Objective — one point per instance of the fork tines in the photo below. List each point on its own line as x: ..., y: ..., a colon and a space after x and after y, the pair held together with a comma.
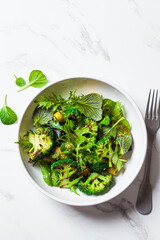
x: 153, y: 105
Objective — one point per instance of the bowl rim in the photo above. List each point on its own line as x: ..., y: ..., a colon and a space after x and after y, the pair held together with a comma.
x: 95, y: 201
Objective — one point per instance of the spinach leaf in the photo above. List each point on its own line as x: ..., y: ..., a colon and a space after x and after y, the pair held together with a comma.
x: 20, y: 82
x: 42, y: 116
x: 46, y: 173
x: 7, y: 115
x: 90, y: 105
x: 36, y: 79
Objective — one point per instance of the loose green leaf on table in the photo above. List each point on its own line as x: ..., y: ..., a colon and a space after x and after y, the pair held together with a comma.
x: 90, y: 105
x: 36, y: 79
x: 20, y: 82
x: 7, y: 115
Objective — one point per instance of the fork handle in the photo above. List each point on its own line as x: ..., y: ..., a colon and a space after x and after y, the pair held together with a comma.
x: 144, y: 199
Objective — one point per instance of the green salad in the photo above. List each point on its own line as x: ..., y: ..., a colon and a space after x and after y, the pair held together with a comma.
x: 79, y: 142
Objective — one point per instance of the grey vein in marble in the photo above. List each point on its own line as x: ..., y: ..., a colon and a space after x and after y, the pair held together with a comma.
x: 136, y: 7
x: 124, y: 208
x: 6, y: 195
x: 87, y: 42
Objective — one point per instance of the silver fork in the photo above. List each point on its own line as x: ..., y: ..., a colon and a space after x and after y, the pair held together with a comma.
x: 152, y: 120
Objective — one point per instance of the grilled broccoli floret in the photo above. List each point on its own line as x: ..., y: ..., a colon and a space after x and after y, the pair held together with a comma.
x: 63, y: 172
x: 42, y: 143
x: 103, y: 150
x: 95, y: 184
x: 99, y: 167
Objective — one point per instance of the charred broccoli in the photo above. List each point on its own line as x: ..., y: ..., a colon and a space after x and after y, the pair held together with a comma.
x: 103, y: 150
x: 99, y: 167
x: 63, y: 172
x: 95, y: 184
x: 42, y: 143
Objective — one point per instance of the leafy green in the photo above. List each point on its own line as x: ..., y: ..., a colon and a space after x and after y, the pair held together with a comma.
x: 46, y: 173
x: 52, y: 101
x: 36, y: 79
x: 124, y: 143
x: 124, y: 138
x: 113, y: 109
x: 90, y: 105
x: 7, y: 115
x: 20, y: 82
x: 55, y: 124
x: 25, y: 144
x: 117, y: 161
x: 105, y: 121
x: 42, y: 116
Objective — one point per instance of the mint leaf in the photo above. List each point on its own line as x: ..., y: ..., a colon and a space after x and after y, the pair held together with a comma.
x: 36, y: 79
x: 7, y: 115
x: 90, y: 105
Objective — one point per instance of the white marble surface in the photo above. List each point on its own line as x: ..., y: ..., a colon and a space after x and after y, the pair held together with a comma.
x: 114, y: 39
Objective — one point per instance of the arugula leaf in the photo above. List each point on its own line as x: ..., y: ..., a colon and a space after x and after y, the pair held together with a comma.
x: 90, y: 105
x: 42, y: 116
x: 20, y: 82
x: 46, y: 173
x: 36, y: 79
x: 26, y: 145
x: 7, y: 115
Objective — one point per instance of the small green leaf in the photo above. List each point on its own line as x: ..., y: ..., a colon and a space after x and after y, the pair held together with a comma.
x: 20, y: 82
x: 36, y: 79
x: 7, y: 115
x: 90, y: 105
x: 55, y: 124
x: 42, y: 116
x: 124, y: 143
x: 46, y: 173
x: 105, y: 121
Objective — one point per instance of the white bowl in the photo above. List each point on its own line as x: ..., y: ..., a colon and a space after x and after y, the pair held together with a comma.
x: 138, y: 130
